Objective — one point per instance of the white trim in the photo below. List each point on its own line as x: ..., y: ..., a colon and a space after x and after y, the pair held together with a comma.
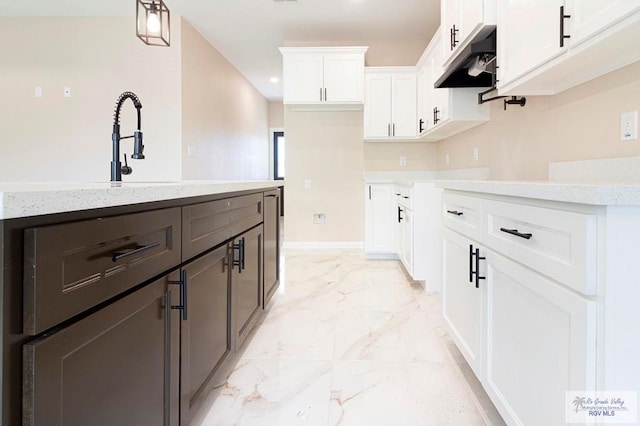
x: 390, y: 256
x: 323, y: 245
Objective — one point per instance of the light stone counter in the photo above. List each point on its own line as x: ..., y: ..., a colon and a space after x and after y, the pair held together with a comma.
x: 33, y: 199
x: 600, y: 194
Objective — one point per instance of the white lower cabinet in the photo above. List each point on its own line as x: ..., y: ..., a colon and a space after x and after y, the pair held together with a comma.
x: 528, y: 332
x: 462, y: 302
x: 540, y: 342
x: 379, y: 214
x: 407, y: 239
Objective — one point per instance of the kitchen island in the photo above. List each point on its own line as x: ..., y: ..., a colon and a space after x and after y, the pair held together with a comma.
x: 123, y: 301
x: 540, y: 293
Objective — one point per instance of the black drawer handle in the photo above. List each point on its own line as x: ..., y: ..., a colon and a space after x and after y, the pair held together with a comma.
x: 405, y: 197
x: 183, y: 294
x: 516, y: 233
x: 455, y: 212
x: 122, y: 254
x: 271, y: 195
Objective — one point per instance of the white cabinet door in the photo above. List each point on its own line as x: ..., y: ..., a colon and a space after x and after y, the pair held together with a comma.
x: 590, y: 16
x: 541, y: 342
x: 471, y: 16
x: 304, y: 78
x: 343, y: 78
x: 528, y: 36
x: 403, y: 108
x: 462, y: 302
x: 377, y: 108
x: 379, y: 218
x: 449, y: 22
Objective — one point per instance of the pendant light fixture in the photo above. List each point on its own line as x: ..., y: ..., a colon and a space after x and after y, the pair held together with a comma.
x: 153, y: 22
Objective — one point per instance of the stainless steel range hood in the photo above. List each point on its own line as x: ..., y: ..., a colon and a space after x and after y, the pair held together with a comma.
x: 474, y: 65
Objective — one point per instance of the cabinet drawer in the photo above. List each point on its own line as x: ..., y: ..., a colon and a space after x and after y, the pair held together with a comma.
x: 462, y: 214
x: 69, y: 268
x: 207, y: 225
x: 562, y: 244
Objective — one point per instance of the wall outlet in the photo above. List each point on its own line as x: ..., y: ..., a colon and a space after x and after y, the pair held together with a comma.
x: 191, y: 151
x: 446, y: 159
x: 319, y: 218
x: 475, y: 153
x: 67, y: 92
x: 307, y: 184
x: 37, y: 91
x: 403, y: 161
x: 629, y: 126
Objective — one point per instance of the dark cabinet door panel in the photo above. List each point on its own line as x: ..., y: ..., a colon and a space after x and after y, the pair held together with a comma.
x: 206, y: 334
x: 246, y: 284
x: 118, y: 366
x: 271, y: 245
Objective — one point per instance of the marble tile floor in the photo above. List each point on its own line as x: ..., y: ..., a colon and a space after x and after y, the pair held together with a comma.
x: 349, y: 341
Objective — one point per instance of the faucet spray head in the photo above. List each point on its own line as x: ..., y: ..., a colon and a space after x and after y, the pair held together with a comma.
x: 138, y: 147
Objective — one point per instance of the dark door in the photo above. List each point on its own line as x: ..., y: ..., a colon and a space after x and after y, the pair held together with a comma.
x: 271, y: 245
x: 118, y: 366
x: 206, y: 334
x: 246, y: 283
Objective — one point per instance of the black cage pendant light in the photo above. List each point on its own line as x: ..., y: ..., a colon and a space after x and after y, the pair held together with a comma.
x: 152, y: 22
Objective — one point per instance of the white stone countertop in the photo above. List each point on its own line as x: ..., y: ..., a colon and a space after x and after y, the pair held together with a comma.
x: 595, y: 194
x: 34, y: 199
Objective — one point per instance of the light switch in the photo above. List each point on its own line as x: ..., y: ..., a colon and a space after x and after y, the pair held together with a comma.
x: 403, y: 161
x: 307, y: 184
x: 191, y: 151
x: 37, y: 91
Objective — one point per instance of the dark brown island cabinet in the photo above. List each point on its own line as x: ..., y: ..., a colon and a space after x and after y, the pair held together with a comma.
x: 128, y: 315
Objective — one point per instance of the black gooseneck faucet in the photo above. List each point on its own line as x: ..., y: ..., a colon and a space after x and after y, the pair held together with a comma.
x: 117, y: 169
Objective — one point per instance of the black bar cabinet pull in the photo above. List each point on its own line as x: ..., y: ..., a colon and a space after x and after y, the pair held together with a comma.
x: 235, y: 262
x: 562, y: 18
x: 389, y: 129
x: 421, y: 126
x: 471, y: 271
x: 122, y: 254
x: 242, y: 268
x: 325, y: 94
x: 399, y: 214
x: 183, y: 294
x: 321, y: 94
x: 454, y: 40
x: 393, y: 129
x: 455, y: 212
x: 516, y: 233
x: 369, y: 191
x: 478, y: 259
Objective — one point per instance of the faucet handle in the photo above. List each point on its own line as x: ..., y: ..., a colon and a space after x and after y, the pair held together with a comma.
x: 126, y: 170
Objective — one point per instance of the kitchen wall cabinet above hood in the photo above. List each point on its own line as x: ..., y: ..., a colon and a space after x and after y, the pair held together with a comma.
x: 474, y: 65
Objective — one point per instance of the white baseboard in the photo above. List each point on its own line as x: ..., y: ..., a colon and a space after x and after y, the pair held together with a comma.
x: 323, y: 245
x: 390, y: 256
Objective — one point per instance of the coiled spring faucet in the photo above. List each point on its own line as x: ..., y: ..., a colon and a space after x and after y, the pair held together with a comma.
x: 117, y: 169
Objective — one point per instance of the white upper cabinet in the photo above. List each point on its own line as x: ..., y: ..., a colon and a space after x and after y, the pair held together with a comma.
x: 548, y: 46
x: 461, y: 21
x: 323, y: 76
x: 390, y: 103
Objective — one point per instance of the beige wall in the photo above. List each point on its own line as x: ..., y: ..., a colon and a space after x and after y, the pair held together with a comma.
x: 53, y: 138
x: 385, y: 156
x: 326, y: 148
x: 276, y: 115
x: 225, y: 119
x: 580, y: 123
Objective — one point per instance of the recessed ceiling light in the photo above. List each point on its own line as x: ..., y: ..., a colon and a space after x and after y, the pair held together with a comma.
x: 274, y: 79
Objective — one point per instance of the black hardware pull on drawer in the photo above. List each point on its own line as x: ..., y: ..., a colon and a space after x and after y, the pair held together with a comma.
x: 455, y: 212
x: 516, y: 233
x: 138, y: 249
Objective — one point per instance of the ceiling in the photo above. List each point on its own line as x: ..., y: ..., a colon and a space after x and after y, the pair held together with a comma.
x: 248, y: 32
